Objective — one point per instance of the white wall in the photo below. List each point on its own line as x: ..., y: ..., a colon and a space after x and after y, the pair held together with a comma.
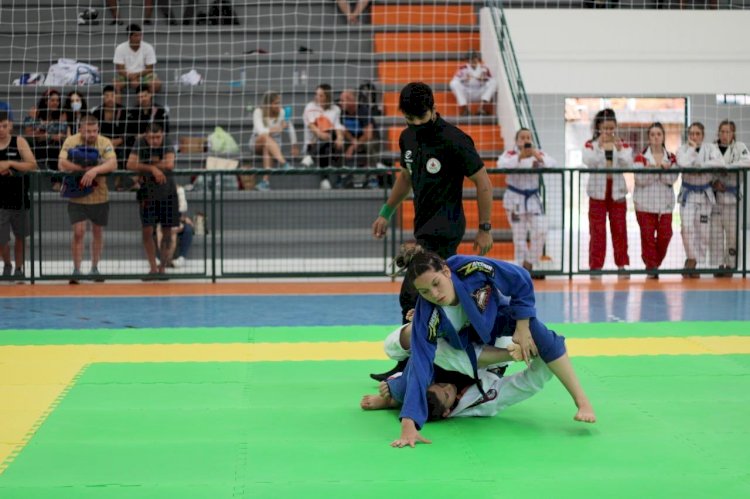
x: 583, y: 52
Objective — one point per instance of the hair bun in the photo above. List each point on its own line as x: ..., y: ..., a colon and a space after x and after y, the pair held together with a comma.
x: 407, y: 253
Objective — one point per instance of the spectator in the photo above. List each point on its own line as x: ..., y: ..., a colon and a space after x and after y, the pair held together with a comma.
x: 607, y: 192
x: 116, y: 19
x: 146, y: 112
x: 85, y: 157
x: 111, y: 116
x: 723, y: 251
x: 324, y: 137
x: 16, y: 159
x: 153, y: 157
x: 352, y: 15
x: 134, y: 61
x: 654, y: 200
x: 473, y: 82
x: 696, y: 196
x: 522, y: 201
x: 47, y: 127
x: 269, y: 121
x: 75, y: 106
x: 362, y: 140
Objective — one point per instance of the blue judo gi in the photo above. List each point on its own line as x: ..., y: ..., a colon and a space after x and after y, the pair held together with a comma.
x: 494, y: 295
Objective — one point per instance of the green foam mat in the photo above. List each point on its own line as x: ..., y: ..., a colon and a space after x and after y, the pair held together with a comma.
x: 340, y: 333
x: 669, y: 426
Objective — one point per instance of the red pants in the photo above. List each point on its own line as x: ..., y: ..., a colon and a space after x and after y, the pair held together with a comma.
x: 598, y: 210
x: 656, y: 232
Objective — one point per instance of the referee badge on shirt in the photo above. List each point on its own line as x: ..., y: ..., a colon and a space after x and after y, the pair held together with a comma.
x: 433, y: 165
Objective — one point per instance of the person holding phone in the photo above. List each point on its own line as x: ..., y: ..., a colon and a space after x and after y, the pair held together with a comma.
x: 607, y: 192
x: 522, y: 200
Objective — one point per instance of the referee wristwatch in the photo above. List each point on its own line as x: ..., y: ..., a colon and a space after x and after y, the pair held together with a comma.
x: 485, y: 227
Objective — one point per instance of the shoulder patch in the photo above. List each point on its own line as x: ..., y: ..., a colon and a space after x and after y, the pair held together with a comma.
x: 432, y: 325
x: 589, y: 145
x: 511, y: 153
x: 476, y: 266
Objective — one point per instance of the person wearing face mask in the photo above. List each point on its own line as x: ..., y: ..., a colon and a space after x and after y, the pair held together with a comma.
x: 607, y: 192
x: 723, y: 250
x: 435, y: 158
x: 74, y: 108
x: 696, y: 196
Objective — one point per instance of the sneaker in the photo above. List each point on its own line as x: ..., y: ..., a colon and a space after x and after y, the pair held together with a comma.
x: 263, y: 185
x: 76, y: 277
x: 88, y: 17
x: 95, y: 275
x: 151, y: 276
x: 7, y: 270
x: 622, y: 274
x: 325, y: 185
x: 178, y: 262
x: 287, y: 166
x: 18, y: 274
x: 307, y: 161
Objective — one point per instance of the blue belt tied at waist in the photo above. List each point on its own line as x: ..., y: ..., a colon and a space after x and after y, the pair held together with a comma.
x: 526, y: 193
x: 687, y: 188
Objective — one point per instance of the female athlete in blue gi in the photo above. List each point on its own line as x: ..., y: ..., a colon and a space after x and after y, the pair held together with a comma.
x: 471, y: 300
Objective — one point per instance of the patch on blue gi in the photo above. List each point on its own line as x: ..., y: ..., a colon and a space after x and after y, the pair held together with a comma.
x: 476, y: 266
x: 432, y: 326
x: 482, y: 297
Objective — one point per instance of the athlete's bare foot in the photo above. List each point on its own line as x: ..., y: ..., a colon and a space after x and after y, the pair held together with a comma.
x: 585, y: 412
x: 375, y: 402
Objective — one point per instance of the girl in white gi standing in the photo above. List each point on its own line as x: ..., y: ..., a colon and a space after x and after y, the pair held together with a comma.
x: 723, y: 251
x: 522, y: 200
x: 696, y: 196
x: 654, y: 199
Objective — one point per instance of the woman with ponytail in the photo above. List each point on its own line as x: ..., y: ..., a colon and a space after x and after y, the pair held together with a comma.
x: 468, y: 301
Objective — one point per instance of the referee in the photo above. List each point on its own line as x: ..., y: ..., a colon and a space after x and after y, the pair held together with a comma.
x: 435, y: 158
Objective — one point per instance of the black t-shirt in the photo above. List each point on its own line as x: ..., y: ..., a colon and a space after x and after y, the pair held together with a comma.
x: 138, y: 119
x: 114, y: 129
x: 14, y: 188
x: 147, y: 154
x: 438, y: 160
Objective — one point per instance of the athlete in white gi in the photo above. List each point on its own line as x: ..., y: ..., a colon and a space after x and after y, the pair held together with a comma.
x: 473, y: 82
x: 697, y: 196
x: 723, y: 250
x: 522, y: 200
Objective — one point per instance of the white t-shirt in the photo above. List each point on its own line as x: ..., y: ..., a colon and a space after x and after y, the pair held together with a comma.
x: 135, y: 62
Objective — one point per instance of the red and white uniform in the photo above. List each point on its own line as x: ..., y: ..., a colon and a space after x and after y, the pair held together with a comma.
x: 654, y: 201
x: 523, y: 205
x: 607, y: 198
x: 472, y: 84
x: 723, y: 250
x: 697, y: 198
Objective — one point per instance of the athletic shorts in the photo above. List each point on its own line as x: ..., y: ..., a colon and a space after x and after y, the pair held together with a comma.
x: 145, y: 79
x: 15, y: 220
x: 164, y: 212
x: 97, y: 213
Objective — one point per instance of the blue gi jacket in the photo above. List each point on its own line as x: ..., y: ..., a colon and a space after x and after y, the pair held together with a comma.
x: 485, y: 288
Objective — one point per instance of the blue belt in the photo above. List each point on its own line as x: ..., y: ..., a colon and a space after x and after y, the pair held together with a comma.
x: 526, y: 193
x: 692, y: 188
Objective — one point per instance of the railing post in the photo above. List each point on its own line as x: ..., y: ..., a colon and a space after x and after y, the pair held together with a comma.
x: 212, y: 225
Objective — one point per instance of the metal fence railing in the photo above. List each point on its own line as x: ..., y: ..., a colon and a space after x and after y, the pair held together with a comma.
x: 298, y: 230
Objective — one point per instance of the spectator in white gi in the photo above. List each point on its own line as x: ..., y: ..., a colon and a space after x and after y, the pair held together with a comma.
x: 723, y: 250
x: 654, y: 199
x: 697, y: 196
x: 473, y: 82
x: 522, y: 201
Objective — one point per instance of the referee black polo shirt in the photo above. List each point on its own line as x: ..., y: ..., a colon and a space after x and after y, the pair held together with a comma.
x: 438, y: 158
